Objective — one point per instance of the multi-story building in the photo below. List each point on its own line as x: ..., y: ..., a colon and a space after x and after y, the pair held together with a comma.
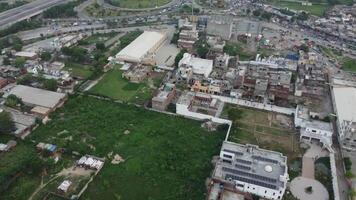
x: 164, y: 97
x: 250, y: 169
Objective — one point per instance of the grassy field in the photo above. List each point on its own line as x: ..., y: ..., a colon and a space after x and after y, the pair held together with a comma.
x: 166, y: 157
x: 268, y: 130
x: 349, y: 64
x: 78, y: 70
x: 317, y: 9
x: 139, y: 3
x: 116, y: 87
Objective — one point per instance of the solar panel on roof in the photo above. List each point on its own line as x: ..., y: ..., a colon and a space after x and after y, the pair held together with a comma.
x: 235, y: 152
x: 265, y: 159
x: 242, y: 167
x: 242, y: 173
x: 244, y: 161
x: 246, y: 180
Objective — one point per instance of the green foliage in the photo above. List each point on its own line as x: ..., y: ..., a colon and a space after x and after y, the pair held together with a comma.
x: 188, y: 9
x: 13, y: 101
x: 235, y: 49
x: 20, y: 159
x: 303, y: 16
x: 76, y: 54
x: 349, y: 174
x: 165, y: 156
x: 256, y: 13
x: 100, y: 46
x: 266, y: 15
x: 6, y: 123
x: 9, y: 41
x: 347, y: 163
x: 20, y: 26
x: 202, y: 48
x: 349, y: 64
x: 17, y: 47
x: 179, y: 57
x: 62, y: 11
x: 7, y: 6
x: 46, y: 56
x: 175, y: 38
x: 50, y: 84
x: 19, y: 62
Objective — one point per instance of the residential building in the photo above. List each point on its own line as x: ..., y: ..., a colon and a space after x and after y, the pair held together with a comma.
x: 317, y: 131
x: 3, y: 82
x: 164, y: 97
x: 250, y: 169
x: 137, y: 73
x: 344, y: 99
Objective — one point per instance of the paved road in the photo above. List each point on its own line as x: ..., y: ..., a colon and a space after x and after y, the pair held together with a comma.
x: 26, y: 11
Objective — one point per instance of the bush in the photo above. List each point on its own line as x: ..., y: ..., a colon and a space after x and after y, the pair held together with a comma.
x: 6, y: 123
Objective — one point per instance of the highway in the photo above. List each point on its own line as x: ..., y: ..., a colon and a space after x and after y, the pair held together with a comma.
x: 26, y: 11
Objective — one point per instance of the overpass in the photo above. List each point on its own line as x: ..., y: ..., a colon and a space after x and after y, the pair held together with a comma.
x: 26, y: 11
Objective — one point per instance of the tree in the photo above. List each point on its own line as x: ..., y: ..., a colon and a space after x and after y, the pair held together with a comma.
x: 6, y: 123
x: 13, y: 101
x: 179, y: 56
x: 6, y: 61
x: 256, y: 13
x: 202, y: 49
x: 19, y: 62
x: 17, y: 47
x: 50, y: 84
x: 100, y: 46
x: 46, y: 56
x: 266, y: 15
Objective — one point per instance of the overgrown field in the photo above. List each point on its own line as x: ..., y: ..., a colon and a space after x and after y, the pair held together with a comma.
x: 166, y: 157
x: 268, y: 130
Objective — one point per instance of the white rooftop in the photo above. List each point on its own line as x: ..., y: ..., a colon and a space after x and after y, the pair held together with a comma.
x: 345, y: 101
x: 35, y: 96
x: 138, y: 49
x: 199, y: 65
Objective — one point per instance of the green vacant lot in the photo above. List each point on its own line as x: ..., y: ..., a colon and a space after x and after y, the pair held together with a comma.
x: 78, y: 70
x: 166, y: 157
x: 349, y: 64
x: 266, y: 129
x: 317, y: 9
x: 138, y: 3
x: 114, y: 86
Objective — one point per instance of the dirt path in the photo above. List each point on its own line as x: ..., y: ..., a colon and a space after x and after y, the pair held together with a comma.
x: 41, y: 186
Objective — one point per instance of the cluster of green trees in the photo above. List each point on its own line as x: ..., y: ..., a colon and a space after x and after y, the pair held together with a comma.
x: 6, y: 123
x: 47, y: 84
x: 11, y: 41
x: 46, y: 56
x: 63, y: 10
x: 262, y: 14
x: 20, y: 26
x: 235, y: 49
x: 202, y: 47
x: 7, y: 6
x: 76, y: 54
x: 13, y: 101
x: 179, y: 57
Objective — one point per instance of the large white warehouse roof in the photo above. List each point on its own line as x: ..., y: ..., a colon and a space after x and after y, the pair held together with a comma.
x: 35, y: 96
x: 139, y: 48
x: 345, y: 100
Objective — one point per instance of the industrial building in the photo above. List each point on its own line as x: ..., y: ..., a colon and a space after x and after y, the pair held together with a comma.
x: 143, y: 48
x: 250, y: 169
x: 35, y: 97
x: 345, y: 108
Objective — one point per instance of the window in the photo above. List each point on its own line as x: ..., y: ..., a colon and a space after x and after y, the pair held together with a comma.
x: 265, y: 191
x: 227, y: 161
x: 227, y: 156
